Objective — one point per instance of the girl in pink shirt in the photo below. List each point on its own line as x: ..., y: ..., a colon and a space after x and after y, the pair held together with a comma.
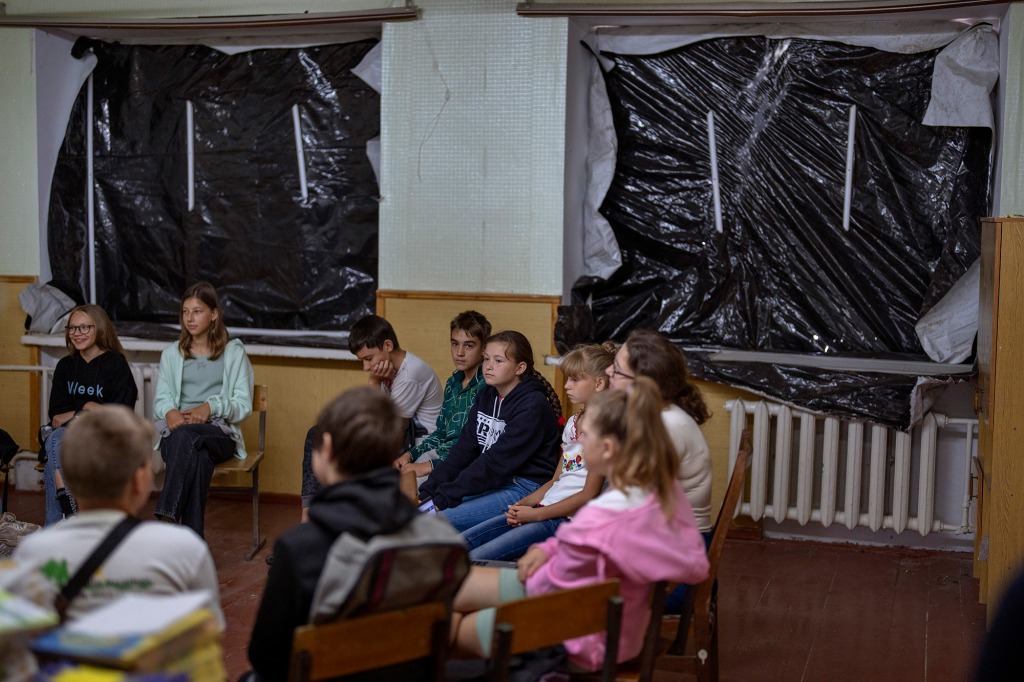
x: 641, y: 531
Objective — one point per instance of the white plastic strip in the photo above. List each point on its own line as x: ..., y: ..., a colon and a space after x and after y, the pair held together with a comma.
x: 300, y: 153
x: 716, y: 194
x: 848, y: 191
x: 190, y: 147
x: 89, y: 193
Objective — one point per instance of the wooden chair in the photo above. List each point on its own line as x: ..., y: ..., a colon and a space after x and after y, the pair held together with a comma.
x: 381, y: 621
x: 700, y: 608
x: 549, y: 619
x: 249, y: 466
x: 322, y: 652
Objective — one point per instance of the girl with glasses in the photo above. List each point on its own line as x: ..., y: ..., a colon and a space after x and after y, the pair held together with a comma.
x: 647, y: 353
x: 95, y: 372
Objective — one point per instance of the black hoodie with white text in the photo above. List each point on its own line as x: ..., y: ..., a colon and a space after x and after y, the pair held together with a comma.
x: 106, y: 379
x: 517, y: 436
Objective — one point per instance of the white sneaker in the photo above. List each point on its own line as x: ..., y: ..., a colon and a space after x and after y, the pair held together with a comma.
x: 9, y: 521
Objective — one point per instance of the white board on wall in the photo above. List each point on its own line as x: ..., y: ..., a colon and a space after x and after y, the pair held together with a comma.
x: 473, y: 151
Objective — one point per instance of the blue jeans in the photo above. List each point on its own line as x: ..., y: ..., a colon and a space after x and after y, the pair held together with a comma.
x: 479, y: 508
x: 495, y: 539
x: 53, y: 510
x: 190, y: 453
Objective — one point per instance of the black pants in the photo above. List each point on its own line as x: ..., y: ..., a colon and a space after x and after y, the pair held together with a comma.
x: 190, y: 453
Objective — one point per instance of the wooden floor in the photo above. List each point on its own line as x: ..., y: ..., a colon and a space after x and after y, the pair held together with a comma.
x: 789, y: 610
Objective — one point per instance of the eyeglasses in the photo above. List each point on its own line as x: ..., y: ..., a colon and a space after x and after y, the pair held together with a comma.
x: 616, y: 372
x: 79, y: 328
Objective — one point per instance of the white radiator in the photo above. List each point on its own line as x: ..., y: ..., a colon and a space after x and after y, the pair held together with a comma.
x: 800, y: 472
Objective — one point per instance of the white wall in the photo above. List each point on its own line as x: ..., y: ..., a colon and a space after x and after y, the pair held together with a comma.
x: 472, y: 150
x: 19, y: 211
x: 1009, y: 179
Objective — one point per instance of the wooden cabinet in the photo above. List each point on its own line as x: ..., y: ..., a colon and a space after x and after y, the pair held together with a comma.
x: 999, y: 402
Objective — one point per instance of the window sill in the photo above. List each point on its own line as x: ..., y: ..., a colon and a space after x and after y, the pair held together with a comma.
x: 256, y: 350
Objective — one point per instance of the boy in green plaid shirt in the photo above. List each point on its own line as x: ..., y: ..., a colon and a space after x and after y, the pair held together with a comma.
x: 469, y: 329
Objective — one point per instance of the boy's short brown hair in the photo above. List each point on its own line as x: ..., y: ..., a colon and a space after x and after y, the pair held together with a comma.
x: 102, y: 450
x: 473, y: 323
x: 371, y: 332
x: 365, y: 427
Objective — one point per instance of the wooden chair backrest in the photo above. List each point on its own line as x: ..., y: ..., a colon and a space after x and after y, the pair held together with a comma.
x: 259, y: 398
x: 247, y: 465
x: 725, y: 514
x: 700, y: 605
x: 698, y: 601
x: 549, y: 619
x: 321, y: 652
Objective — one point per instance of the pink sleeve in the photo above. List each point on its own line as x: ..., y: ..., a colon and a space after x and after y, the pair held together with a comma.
x: 549, y: 546
x: 568, y: 566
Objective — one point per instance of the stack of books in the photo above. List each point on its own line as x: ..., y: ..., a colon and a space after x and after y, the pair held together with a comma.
x: 137, y: 637
x: 20, y: 620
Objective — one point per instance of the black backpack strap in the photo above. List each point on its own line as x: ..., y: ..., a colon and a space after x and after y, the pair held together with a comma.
x: 89, y: 566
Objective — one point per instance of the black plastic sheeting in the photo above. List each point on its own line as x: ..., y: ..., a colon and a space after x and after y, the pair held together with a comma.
x: 279, y: 261
x: 784, y: 276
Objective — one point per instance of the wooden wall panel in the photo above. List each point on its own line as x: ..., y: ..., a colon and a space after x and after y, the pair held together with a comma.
x: 19, y: 391
x: 296, y: 391
x: 1003, y: 514
x: 421, y: 321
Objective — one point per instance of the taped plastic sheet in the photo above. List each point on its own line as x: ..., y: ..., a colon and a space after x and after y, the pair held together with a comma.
x: 282, y: 256
x: 947, y: 331
x: 784, y: 275
x: 895, y: 400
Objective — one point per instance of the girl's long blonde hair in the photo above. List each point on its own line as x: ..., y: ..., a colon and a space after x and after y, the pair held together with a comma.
x: 647, y: 458
x: 217, y: 338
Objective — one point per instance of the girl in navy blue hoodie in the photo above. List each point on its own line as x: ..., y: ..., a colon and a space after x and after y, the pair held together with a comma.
x: 509, y: 446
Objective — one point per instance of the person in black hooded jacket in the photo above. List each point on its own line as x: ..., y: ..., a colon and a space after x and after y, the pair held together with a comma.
x: 358, y: 435
x: 509, y: 446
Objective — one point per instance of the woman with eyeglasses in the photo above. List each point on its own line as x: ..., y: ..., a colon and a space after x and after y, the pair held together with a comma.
x: 95, y: 372
x: 650, y: 354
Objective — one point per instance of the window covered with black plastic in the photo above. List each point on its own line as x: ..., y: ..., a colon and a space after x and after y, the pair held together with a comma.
x: 783, y: 275
x: 280, y: 260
